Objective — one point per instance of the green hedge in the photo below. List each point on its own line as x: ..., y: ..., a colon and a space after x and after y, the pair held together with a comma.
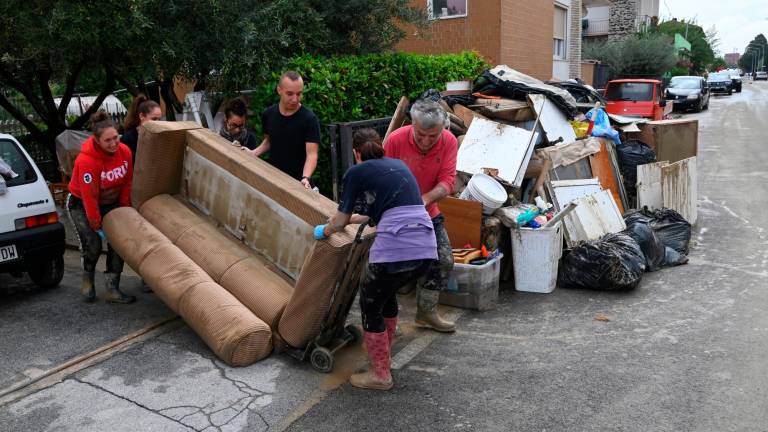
x: 350, y: 88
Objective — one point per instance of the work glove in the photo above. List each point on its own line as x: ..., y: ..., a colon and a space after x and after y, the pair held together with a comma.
x: 319, y: 232
x: 101, y: 234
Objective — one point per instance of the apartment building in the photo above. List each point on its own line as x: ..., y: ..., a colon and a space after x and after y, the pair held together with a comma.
x: 538, y: 37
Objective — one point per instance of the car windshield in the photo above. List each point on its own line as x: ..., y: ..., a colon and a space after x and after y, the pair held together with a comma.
x: 719, y: 77
x: 685, y: 83
x: 11, y: 154
x: 630, y: 91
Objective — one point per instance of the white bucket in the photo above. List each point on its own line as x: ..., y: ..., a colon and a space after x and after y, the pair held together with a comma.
x: 485, y: 189
x: 535, y: 257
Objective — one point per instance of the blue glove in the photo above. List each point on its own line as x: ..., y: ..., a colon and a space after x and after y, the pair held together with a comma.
x: 319, y: 234
x: 101, y: 234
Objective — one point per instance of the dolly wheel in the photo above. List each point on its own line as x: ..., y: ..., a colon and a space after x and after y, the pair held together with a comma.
x: 322, y: 360
x: 355, y: 332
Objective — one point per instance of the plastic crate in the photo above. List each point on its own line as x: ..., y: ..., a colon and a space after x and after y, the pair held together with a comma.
x: 473, y: 286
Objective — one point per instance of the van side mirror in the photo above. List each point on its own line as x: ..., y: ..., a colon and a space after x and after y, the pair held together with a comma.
x: 663, y: 102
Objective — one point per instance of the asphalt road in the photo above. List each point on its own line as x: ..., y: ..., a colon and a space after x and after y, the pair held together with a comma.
x: 686, y: 351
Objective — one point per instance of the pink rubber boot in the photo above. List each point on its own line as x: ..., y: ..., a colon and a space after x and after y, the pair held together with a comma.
x: 377, y: 376
x: 391, y: 324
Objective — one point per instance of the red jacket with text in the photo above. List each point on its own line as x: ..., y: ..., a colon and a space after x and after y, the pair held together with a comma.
x: 100, y: 178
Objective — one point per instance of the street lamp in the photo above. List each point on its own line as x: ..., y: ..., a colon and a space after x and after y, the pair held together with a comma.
x: 762, y: 55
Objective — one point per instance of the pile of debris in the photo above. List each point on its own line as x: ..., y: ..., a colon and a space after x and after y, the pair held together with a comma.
x: 534, y: 170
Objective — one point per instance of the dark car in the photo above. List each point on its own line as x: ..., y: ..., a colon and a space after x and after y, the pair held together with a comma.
x: 720, y: 82
x: 689, y: 92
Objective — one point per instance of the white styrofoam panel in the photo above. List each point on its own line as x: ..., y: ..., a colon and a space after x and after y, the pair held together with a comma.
x: 489, y: 144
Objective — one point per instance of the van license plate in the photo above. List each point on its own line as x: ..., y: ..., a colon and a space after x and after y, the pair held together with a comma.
x: 8, y: 253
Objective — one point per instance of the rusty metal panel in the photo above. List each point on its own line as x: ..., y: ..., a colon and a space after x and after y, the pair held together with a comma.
x: 679, y: 184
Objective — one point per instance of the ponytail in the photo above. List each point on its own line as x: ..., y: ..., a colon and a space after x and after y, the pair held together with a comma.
x: 141, y: 104
x: 367, y: 142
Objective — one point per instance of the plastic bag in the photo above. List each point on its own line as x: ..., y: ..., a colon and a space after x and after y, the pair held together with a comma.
x: 657, y: 255
x: 6, y: 169
x: 671, y: 228
x: 639, y: 228
x: 602, y: 127
x: 631, y: 154
x: 613, y: 263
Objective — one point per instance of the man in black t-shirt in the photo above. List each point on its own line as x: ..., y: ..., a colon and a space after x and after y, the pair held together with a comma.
x: 291, y: 132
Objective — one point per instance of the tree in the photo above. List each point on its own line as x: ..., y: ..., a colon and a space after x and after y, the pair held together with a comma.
x: 702, y: 52
x: 754, y: 54
x: 47, y: 43
x: 649, y: 55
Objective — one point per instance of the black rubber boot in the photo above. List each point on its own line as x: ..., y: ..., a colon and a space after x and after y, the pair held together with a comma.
x: 88, y: 289
x: 114, y: 295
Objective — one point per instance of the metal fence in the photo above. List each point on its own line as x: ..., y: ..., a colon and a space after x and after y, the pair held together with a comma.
x: 341, y: 146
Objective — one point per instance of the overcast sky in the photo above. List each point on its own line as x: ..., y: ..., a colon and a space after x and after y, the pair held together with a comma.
x: 737, y: 21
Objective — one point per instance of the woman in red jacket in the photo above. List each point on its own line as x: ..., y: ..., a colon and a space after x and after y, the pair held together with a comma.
x: 101, y: 182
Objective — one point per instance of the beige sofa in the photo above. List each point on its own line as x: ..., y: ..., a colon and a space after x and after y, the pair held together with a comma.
x: 225, y: 240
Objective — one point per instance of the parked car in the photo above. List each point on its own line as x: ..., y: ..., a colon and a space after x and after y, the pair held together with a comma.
x: 720, y: 82
x: 689, y: 92
x: 636, y: 98
x: 31, y: 236
x: 735, y: 81
x: 761, y: 75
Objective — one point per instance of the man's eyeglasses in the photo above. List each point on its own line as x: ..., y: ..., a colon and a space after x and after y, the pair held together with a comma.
x: 235, y: 126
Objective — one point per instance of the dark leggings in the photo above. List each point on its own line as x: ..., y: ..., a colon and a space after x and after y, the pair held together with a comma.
x: 378, y: 289
x: 90, y: 242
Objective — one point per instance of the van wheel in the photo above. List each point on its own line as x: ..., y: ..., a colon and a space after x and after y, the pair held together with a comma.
x: 49, y: 274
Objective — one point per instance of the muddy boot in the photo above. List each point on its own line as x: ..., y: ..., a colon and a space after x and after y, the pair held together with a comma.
x: 391, y: 324
x: 378, y: 376
x: 426, y: 314
x: 114, y: 295
x: 88, y: 289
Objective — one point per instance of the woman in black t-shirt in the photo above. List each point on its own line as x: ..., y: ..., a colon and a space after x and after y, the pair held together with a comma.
x: 233, y: 129
x: 142, y: 110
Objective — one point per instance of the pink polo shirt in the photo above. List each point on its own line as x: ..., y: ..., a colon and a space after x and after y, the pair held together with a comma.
x: 437, y: 166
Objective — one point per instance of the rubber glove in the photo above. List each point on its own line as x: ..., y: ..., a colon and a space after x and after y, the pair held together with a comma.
x: 101, y: 234
x: 319, y: 232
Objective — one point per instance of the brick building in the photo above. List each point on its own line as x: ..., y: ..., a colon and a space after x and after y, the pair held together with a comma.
x: 519, y: 33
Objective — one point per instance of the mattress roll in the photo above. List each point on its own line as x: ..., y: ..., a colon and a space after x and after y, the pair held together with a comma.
x: 227, y: 261
x: 170, y: 216
x: 132, y: 236
x: 233, y: 332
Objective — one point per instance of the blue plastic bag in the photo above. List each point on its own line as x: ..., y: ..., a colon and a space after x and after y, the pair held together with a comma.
x: 602, y: 127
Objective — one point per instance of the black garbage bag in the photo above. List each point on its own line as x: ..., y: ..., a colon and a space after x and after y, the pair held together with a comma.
x: 671, y: 228
x: 657, y: 255
x: 613, y: 263
x: 631, y: 154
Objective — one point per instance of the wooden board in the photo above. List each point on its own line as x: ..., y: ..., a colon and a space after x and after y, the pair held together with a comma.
x: 602, y: 168
x: 679, y: 188
x: 466, y: 114
x: 463, y: 220
x: 399, y: 117
x: 672, y: 140
x: 562, y: 193
x: 594, y: 216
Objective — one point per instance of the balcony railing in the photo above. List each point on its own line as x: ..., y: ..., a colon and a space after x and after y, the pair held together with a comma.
x: 597, y: 27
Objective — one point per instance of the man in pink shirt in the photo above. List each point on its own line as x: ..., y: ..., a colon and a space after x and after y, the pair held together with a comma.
x: 429, y: 151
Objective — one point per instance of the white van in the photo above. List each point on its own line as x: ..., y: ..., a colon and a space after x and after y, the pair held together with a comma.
x: 31, y: 236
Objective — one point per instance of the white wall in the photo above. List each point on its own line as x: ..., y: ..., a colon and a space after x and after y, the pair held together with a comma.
x: 560, y: 69
x: 598, y: 13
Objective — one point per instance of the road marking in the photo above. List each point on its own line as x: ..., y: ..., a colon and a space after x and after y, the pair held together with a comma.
x: 57, y: 374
